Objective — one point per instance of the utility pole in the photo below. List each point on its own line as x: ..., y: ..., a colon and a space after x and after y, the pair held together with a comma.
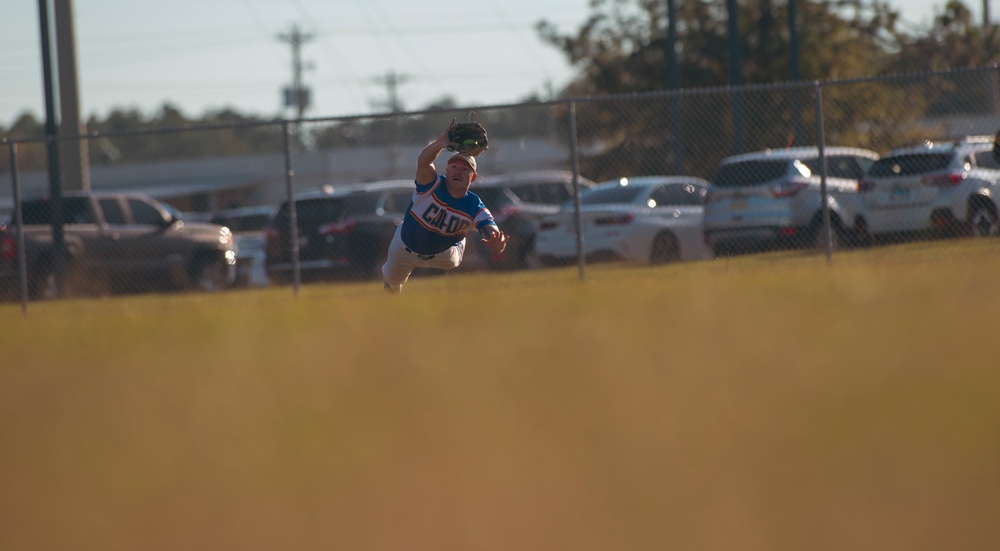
x: 296, y: 95
x: 74, y: 153
x: 735, y: 75
x: 673, y: 73
x: 392, y: 80
x: 52, y: 144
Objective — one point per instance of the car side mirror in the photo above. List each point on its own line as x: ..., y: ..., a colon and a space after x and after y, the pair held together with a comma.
x: 168, y: 220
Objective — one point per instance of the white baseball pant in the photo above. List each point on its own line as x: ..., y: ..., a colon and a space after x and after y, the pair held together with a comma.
x: 400, y: 260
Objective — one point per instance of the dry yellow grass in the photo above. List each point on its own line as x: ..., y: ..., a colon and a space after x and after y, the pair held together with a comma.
x: 759, y: 403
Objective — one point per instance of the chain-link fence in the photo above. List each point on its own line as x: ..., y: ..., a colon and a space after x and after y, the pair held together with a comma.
x: 667, y: 176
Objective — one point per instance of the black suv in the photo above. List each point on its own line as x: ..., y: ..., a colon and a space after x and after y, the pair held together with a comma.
x: 341, y: 235
x: 518, y: 201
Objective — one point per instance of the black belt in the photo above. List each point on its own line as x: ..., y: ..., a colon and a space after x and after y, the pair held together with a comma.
x: 418, y: 255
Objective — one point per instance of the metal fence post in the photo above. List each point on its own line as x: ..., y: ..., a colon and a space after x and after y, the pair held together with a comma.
x: 293, y: 219
x: 823, y: 192
x: 22, y: 267
x: 578, y: 207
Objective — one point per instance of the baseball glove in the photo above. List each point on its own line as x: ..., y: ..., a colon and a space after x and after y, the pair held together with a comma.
x: 467, y: 137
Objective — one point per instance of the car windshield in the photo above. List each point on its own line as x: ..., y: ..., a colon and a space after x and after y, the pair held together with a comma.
x: 492, y: 197
x: 243, y: 223
x: 311, y: 212
x: 360, y: 204
x: 910, y: 164
x: 749, y: 173
x: 611, y: 194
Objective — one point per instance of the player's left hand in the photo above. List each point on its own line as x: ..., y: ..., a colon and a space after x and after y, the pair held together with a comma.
x: 497, y: 241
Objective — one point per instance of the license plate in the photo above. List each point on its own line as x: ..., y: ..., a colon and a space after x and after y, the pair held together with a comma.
x: 739, y: 202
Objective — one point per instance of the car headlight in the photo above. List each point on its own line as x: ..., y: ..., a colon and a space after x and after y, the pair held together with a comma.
x: 225, y: 236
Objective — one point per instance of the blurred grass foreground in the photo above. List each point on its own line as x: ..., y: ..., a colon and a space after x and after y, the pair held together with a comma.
x: 760, y: 403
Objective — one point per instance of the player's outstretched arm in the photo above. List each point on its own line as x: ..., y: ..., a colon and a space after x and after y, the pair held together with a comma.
x: 495, y: 239
x: 426, y: 173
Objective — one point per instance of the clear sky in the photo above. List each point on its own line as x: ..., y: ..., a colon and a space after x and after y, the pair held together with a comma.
x: 208, y: 54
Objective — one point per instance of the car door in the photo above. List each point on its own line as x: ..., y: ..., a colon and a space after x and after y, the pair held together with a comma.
x: 115, y: 245
x: 153, y: 255
x: 680, y: 207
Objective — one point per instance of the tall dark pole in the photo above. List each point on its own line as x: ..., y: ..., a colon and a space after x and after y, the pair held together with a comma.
x: 74, y: 171
x: 795, y: 72
x: 735, y: 75
x: 674, y: 83
x: 51, y: 125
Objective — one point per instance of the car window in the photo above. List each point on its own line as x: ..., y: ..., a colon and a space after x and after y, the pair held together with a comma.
x: 553, y: 193
x: 844, y: 166
x: 986, y: 159
x: 610, y: 194
x: 910, y: 164
x: 112, y: 209
x: 397, y: 201
x: 661, y: 197
x: 36, y: 212
x: 524, y: 192
x: 749, y: 173
x: 685, y: 194
x: 144, y: 214
x: 76, y: 210
x: 243, y: 222
x: 361, y: 203
x: 311, y: 213
x: 493, y: 197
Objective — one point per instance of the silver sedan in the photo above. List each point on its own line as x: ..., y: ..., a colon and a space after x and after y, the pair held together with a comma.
x: 650, y: 219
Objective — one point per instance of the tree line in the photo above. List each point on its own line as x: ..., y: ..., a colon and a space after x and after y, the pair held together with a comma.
x: 622, y: 48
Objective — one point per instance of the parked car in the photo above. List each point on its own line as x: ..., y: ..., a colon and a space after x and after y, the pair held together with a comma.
x: 341, y: 234
x: 771, y: 198
x: 652, y: 219
x: 948, y: 188
x: 117, y: 242
x: 518, y: 201
x: 247, y: 225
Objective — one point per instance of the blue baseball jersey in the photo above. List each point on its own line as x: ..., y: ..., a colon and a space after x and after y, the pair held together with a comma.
x: 436, y: 221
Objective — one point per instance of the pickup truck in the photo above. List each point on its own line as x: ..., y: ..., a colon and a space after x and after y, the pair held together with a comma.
x: 116, y: 243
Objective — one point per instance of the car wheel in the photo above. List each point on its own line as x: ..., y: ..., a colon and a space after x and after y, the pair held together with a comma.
x: 213, y: 276
x: 665, y: 249
x: 983, y: 221
x: 861, y: 235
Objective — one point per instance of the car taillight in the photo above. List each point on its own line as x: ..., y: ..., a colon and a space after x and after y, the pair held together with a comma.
x: 864, y: 186
x: 787, y: 189
x: 337, y: 228
x: 271, y: 233
x: 8, y: 247
x: 615, y: 220
x: 951, y: 179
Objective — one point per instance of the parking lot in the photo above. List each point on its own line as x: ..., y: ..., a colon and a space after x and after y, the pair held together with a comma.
x: 773, y: 183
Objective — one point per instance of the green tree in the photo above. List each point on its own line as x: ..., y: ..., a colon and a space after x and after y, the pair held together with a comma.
x: 621, y: 49
x: 31, y: 156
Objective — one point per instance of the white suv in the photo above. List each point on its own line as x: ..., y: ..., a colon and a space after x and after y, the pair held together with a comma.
x: 948, y: 188
x: 771, y: 199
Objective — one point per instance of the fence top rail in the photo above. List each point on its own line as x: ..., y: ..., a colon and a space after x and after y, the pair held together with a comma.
x: 655, y: 94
